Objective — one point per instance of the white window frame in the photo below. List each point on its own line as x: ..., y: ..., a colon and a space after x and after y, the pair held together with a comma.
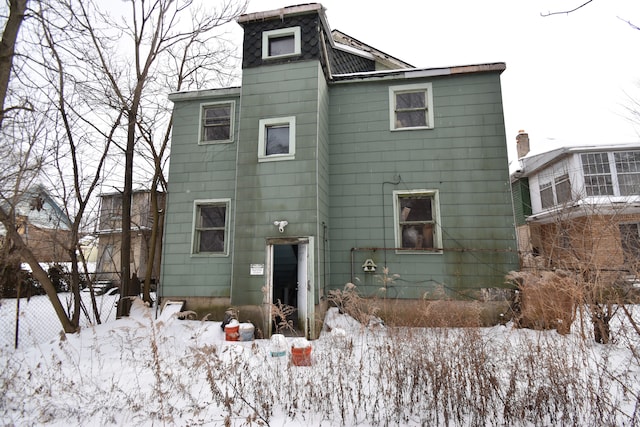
x: 232, y: 112
x: 281, y: 32
x: 419, y: 87
x: 437, y: 232
x: 262, y: 134
x: 194, y: 232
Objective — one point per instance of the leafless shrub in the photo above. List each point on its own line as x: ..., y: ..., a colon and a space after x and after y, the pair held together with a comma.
x: 547, y: 299
x: 349, y: 301
x: 281, y: 317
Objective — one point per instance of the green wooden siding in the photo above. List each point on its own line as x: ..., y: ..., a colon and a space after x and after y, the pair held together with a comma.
x: 464, y: 157
x: 521, y: 200
x: 339, y: 187
x: 196, y: 172
x: 277, y: 190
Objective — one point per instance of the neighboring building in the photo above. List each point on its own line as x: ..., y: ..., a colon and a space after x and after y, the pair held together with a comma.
x: 43, y: 225
x: 331, y: 158
x: 110, y: 236
x: 579, y: 207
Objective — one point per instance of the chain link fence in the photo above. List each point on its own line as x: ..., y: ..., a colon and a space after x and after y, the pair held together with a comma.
x: 27, y: 316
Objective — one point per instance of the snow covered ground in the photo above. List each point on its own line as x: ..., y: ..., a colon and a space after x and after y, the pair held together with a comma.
x: 164, y: 372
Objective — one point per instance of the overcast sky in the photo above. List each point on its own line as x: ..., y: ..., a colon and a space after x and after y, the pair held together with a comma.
x: 568, y: 77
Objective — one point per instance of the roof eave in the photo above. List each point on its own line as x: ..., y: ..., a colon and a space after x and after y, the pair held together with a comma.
x: 498, y: 67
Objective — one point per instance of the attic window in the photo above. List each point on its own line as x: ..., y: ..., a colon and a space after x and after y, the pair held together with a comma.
x: 281, y: 43
x: 411, y: 107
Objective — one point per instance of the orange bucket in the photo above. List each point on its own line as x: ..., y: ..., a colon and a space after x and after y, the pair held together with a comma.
x: 301, y: 356
x: 231, y: 332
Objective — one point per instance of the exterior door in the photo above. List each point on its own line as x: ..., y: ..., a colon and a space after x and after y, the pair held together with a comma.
x: 289, y: 279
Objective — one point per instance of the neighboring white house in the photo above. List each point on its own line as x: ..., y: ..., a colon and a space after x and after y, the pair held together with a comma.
x: 584, y: 203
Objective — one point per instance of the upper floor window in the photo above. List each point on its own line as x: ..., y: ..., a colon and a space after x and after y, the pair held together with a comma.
x: 556, y: 191
x: 277, y: 139
x: 217, y: 122
x: 281, y: 42
x: 411, y: 107
x: 597, y: 174
x: 210, y: 227
x: 417, y: 220
x: 611, y: 174
x: 628, y: 171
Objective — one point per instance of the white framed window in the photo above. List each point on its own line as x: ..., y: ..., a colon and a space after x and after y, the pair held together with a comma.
x: 611, y: 173
x: 411, y: 107
x: 280, y: 43
x: 597, y: 174
x: 556, y: 191
x: 210, y: 227
x: 216, y: 122
x: 417, y: 221
x: 628, y: 172
x: 277, y: 139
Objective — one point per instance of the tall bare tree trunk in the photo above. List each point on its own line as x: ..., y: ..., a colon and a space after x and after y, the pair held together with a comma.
x: 17, y: 9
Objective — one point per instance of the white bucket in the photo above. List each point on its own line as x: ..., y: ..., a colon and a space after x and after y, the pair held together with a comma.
x: 278, y: 345
x: 246, y: 331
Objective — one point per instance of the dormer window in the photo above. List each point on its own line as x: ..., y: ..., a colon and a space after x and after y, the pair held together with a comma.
x: 281, y: 43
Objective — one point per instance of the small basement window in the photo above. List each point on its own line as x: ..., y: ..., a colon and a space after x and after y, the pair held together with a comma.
x: 281, y: 43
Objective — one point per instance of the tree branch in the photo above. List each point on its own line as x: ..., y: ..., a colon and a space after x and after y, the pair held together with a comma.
x: 566, y: 12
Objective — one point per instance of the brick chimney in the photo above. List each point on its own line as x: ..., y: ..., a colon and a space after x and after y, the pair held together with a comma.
x: 523, y: 143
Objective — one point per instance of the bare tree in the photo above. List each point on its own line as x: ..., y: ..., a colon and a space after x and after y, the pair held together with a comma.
x: 24, y: 162
x: 151, y: 33
x: 17, y: 9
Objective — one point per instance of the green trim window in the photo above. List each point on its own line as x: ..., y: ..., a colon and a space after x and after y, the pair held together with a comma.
x: 281, y: 43
x: 417, y: 219
x: 277, y: 139
x: 210, y: 227
x: 411, y: 107
x: 217, y: 122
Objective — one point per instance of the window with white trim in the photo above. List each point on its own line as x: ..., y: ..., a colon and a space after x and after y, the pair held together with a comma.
x: 611, y: 173
x: 597, y: 174
x: 628, y: 172
x: 556, y: 191
x: 411, y: 107
x: 417, y: 219
x: 277, y: 139
x: 211, y: 227
x: 280, y: 43
x: 217, y: 122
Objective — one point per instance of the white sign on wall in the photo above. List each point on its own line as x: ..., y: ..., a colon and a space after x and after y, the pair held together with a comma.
x: 257, y: 270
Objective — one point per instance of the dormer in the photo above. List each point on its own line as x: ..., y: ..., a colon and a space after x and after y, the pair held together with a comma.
x: 293, y: 33
x: 302, y: 33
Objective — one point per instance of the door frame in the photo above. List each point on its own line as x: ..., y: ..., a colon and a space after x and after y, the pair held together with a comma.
x: 306, y: 306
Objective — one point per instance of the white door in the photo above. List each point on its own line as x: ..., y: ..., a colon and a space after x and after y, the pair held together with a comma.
x: 303, y: 283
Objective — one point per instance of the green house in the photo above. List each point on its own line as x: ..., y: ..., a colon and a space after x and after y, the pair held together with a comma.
x: 335, y: 163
